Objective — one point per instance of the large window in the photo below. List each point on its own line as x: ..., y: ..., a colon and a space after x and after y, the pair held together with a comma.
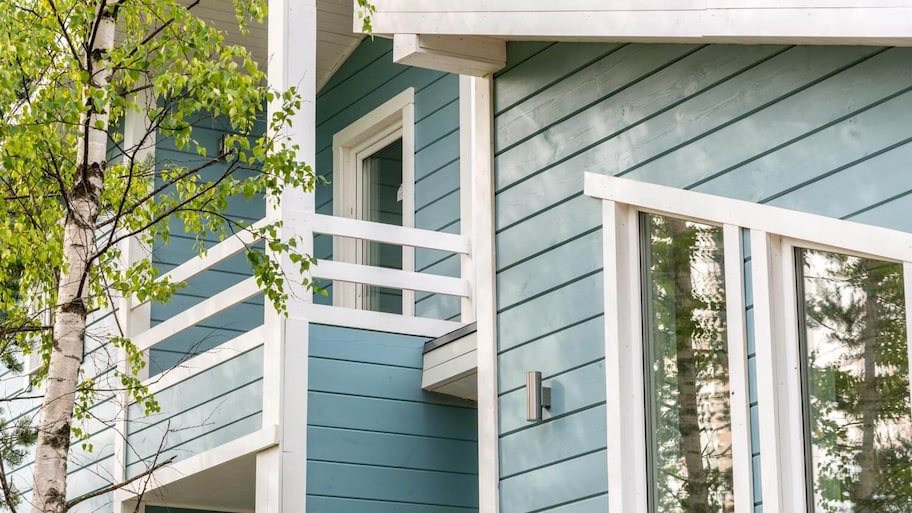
x: 753, y: 355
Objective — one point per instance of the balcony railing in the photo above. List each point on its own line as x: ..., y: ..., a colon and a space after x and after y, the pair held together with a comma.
x: 193, y: 394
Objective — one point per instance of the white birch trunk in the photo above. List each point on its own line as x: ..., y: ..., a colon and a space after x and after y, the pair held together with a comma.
x: 49, y: 495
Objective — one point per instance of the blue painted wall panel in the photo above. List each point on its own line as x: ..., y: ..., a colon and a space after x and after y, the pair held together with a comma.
x: 376, y: 442
x: 817, y: 129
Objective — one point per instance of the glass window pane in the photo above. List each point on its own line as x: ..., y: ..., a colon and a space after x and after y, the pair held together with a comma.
x: 856, y: 384
x: 686, y: 367
x: 383, y: 204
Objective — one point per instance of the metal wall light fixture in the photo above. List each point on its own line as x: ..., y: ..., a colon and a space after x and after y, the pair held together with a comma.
x: 537, y: 396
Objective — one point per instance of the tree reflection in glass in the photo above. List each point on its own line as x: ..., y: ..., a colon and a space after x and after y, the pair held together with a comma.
x: 857, y: 384
x: 686, y: 367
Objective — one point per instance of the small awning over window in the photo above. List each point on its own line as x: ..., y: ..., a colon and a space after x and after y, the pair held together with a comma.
x: 450, y: 364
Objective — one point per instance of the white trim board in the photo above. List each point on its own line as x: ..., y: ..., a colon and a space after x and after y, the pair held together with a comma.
x: 704, y: 21
x: 861, y: 239
x: 249, y: 444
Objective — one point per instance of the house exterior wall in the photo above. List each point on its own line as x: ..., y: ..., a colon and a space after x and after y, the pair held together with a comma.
x: 208, y: 133
x: 364, y: 82
x: 817, y: 129
x: 375, y: 441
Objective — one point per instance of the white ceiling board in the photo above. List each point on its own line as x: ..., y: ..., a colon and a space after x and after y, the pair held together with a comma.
x: 335, y: 39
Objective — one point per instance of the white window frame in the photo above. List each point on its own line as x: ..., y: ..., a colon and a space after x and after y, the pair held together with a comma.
x: 382, y: 126
x: 774, y: 235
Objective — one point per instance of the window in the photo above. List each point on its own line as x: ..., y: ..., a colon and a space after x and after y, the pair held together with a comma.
x: 856, y: 382
x: 686, y: 351
x: 374, y: 181
x: 830, y: 360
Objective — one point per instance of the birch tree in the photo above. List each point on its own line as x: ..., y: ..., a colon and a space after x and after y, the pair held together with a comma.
x: 73, y: 190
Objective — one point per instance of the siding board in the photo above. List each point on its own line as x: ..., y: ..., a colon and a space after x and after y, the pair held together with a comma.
x: 817, y: 129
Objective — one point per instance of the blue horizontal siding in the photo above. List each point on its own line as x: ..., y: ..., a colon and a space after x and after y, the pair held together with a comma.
x: 817, y: 129
x: 375, y: 440
x: 183, y: 246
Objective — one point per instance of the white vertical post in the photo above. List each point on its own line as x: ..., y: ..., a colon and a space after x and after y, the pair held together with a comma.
x: 139, y: 141
x: 907, y: 290
x: 408, y: 199
x: 778, y: 374
x: 466, y: 224
x: 282, y: 471
x: 479, y: 96
x: 624, y: 365
x: 739, y: 402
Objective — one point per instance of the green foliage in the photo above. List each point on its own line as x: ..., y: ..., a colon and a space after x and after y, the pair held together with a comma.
x: 174, y: 69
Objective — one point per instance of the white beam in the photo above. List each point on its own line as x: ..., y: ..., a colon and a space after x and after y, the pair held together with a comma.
x: 463, y: 55
x: 282, y: 474
x: 865, y: 240
x: 478, y: 92
x: 690, y: 21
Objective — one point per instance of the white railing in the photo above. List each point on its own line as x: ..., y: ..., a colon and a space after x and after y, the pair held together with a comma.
x: 326, y: 270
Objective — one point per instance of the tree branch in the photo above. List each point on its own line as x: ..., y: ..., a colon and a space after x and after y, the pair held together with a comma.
x: 114, y: 487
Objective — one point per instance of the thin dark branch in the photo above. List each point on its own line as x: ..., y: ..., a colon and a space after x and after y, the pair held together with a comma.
x: 117, y: 486
x: 65, y: 33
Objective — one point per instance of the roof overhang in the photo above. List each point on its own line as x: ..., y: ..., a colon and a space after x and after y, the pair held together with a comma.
x: 844, y: 22
x: 451, y: 364
x: 335, y: 38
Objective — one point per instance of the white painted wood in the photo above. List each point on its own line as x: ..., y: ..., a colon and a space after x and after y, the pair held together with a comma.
x: 198, y: 313
x: 389, y: 234
x: 252, y: 443
x: 737, y: 369
x: 466, y: 260
x: 391, y: 278
x: 408, y: 199
x: 706, y: 21
x: 215, y: 255
x: 452, y: 370
x: 479, y: 94
x: 292, y: 63
x: 379, y: 321
x: 205, y: 361
x: 139, y: 141
x: 868, y: 240
x: 268, y: 483
x: 465, y: 387
x: 462, y: 55
x: 624, y: 373
x: 763, y: 253
x: 788, y: 371
x: 453, y: 349
x: 907, y: 288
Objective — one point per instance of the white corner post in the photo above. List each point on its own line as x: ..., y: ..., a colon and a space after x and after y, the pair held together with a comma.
x: 466, y: 221
x: 132, y: 318
x: 281, y: 473
x: 478, y: 122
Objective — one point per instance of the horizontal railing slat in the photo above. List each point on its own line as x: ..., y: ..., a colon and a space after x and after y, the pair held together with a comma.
x: 390, y: 278
x: 389, y: 234
x: 198, y: 313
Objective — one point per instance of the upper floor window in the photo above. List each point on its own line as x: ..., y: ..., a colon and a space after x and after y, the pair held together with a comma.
x: 374, y: 181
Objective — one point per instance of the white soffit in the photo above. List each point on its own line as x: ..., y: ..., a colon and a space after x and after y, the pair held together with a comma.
x: 335, y: 38
x: 885, y: 22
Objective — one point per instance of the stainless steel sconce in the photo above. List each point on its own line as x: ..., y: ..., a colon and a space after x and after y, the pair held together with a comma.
x: 537, y: 396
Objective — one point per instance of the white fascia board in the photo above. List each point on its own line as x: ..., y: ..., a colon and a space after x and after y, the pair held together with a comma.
x: 704, y: 21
